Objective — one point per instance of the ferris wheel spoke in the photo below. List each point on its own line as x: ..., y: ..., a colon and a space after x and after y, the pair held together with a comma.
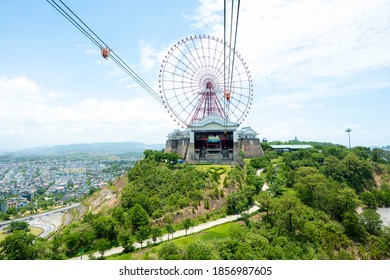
x: 196, y: 48
x: 194, y: 58
x: 220, y: 66
x: 179, y: 96
x: 238, y: 106
x: 194, y: 79
x: 203, y: 54
x: 237, y: 109
x: 183, y: 59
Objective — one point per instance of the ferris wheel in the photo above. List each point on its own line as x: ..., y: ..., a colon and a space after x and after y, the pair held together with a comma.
x: 201, y: 75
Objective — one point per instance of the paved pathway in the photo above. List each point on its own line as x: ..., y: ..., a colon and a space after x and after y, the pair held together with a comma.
x: 177, y: 234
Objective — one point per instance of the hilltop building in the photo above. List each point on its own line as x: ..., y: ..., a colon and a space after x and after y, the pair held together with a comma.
x: 214, y: 140
x: 14, y: 202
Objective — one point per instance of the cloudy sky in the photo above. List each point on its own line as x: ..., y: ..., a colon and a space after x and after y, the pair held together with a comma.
x: 318, y: 67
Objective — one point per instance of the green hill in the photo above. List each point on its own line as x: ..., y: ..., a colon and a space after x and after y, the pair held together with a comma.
x: 308, y: 211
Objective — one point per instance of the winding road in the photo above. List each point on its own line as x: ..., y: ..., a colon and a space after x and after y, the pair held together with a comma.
x: 48, y: 221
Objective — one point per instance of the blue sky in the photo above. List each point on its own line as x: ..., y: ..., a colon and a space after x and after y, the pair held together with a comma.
x: 318, y: 67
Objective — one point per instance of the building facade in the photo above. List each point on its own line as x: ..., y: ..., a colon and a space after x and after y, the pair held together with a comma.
x: 14, y: 202
x: 214, y: 140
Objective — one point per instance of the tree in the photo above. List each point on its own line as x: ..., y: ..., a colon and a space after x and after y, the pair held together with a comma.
x: 18, y: 246
x: 287, y: 210
x: 369, y: 199
x: 311, y: 186
x: 245, y: 217
x: 118, y: 214
x: 170, y: 229
x: 144, y: 201
x: 169, y: 251
x: 126, y: 241
x: 77, y: 237
x: 236, y: 203
x: 198, y: 250
x: 276, y: 186
x: 155, y: 232
x: 265, y: 201
x: 340, y: 200
x: 102, y: 245
x: 372, y: 221
x: 331, y: 168
x: 4, y: 216
x: 357, y: 173
x: 138, y: 217
x: 187, y: 223
x: 362, y: 152
x: 142, y: 234
x: 260, y: 162
x: 380, y: 156
x: 43, y: 250
x: 336, y: 151
x: 353, y: 225
x: 18, y: 225
x: 105, y: 227
x: 12, y: 211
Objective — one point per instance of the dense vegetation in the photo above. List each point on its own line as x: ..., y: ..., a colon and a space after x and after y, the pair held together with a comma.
x: 308, y: 211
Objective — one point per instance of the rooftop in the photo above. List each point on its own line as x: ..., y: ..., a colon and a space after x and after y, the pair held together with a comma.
x: 291, y: 147
x: 216, y: 119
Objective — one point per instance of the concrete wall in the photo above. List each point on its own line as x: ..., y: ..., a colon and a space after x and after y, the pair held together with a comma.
x: 251, y: 147
x: 171, y: 146
x: 178, y: 146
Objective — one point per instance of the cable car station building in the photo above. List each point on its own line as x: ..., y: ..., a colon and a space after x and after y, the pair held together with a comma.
x: 214, y: 140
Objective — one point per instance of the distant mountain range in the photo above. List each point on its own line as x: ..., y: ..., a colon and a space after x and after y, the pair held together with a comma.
x: 95, y: 148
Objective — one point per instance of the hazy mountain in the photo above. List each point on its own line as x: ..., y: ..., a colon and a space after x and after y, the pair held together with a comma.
x: 96, y: 148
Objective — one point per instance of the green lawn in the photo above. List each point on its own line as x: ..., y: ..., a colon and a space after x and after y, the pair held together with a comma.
x: 2, y: 235
x: 215, y: 233
x: 207, y: 167
x: 34, y: 230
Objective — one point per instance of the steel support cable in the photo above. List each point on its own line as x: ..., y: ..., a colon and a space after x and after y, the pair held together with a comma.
x: 224, y: 64
x: 95, y: 39
x: 143, y: 85
x: 118, y: 60
x: 72, y: 21
x: 230, y: 42
x: 235, y: 43
x: 137, y: 78
x: 103, y: 43
x: 231, y: 60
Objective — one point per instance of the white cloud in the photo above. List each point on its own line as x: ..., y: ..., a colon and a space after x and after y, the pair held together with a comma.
x: 297, y: 41
x: 88, y: 49
x: 34, y: 121
x: 148, y: 56
x: 18, y: 89
x: 208, y: 15
x: 295, y: 106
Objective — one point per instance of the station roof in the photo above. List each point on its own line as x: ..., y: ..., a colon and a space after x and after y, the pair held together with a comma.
x: 247, y: 131
x: 291, y: 147
x: 215, y: 120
